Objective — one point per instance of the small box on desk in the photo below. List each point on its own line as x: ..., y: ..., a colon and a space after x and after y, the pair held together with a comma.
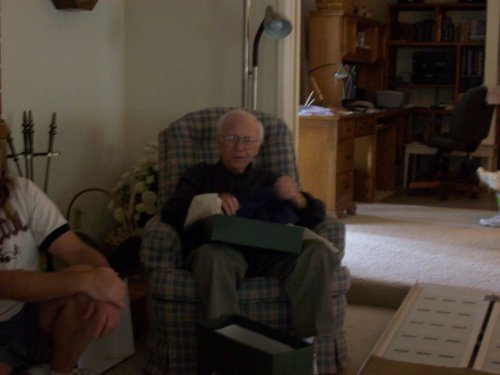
x: 247, y: 232
x: 237, y: 345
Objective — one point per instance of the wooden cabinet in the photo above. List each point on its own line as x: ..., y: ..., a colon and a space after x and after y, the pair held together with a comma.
x: 326, y: 157
x: 435, y: 50
x: 337, y: 159
x: 339, y: 156
x: 338, y: 38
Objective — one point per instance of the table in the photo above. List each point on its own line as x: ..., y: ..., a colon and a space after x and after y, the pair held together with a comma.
x: 337, y: 155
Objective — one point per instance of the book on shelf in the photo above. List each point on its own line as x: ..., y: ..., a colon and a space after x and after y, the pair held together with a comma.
x: 445, y: 326
x: 471, y: 30
x: 472, y: 61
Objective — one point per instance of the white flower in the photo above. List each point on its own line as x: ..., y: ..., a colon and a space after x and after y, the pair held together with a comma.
x: 140, y: 207
x: 139, y: 187
x: 149, y: 197
x: 119, y: 215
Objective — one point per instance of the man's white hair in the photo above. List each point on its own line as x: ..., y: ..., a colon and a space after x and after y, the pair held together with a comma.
x: 239, y: 111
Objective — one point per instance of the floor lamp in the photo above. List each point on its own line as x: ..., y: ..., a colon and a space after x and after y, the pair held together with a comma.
x: 276, y: 26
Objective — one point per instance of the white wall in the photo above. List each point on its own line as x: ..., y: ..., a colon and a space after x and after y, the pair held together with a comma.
x: 118, y: 74
x: 187, y: 55
x: 72, y: 63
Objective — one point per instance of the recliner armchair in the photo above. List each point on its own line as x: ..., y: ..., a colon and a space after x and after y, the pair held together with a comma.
x: 174, y: 307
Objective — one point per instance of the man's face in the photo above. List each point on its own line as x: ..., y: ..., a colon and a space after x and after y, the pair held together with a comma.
x: 239, y: 142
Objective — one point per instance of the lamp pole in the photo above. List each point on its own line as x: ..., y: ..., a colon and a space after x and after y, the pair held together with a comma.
x: 247, y: 18
x: 276, y: 26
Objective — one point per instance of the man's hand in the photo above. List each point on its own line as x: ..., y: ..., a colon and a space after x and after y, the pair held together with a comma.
x: 107, y: 317
x: 105, y: 285
x: 230, y: 204
x: 287, y: 189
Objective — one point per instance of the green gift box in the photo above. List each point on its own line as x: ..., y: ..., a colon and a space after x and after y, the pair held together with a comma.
x: 234, y: 344
x: 248, y: 232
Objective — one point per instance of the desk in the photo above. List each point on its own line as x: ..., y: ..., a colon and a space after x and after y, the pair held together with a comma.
x: 337, y: 155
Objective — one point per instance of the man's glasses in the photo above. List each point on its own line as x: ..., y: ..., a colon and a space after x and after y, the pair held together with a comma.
x: 245, y: 141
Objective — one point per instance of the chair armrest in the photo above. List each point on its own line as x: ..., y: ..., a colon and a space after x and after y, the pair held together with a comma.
x: 161, y: 246
x: 334, y: 231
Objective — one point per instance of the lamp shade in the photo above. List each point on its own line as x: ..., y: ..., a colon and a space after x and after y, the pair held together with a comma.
x: 341, y: 73
x: 276, y: 25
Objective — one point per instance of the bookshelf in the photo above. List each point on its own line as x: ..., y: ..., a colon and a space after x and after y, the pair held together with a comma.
x: 435, y: 50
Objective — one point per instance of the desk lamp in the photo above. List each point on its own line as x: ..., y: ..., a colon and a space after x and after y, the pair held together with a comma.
x: 340, y: 74
x: 276, y: 26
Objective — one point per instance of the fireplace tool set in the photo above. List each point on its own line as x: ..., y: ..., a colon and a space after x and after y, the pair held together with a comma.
x: 28, y: 153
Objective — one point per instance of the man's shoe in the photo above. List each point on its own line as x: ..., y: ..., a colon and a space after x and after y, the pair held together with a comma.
x: 493, y: 221
x: 492, y: 179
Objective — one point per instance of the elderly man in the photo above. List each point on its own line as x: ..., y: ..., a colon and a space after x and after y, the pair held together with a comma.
x: 246, y: 191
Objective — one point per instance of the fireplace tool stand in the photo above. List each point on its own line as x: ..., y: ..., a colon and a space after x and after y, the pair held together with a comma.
x: 28, y: 153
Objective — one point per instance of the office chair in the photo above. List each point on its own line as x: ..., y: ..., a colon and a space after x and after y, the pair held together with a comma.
x: 469, y: 125
x: 174, y: 306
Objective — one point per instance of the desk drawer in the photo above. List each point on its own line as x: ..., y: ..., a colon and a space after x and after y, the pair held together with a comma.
x: 365, y: 127
x: 346, y: 129
x: 344, y: 187
x: 345, y: 156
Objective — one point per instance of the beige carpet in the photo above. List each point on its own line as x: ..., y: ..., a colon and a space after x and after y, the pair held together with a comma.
x: 401, y: 244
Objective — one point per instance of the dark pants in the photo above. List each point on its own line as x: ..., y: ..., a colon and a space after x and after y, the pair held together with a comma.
x: 219, y: 269
x: 21, y: 340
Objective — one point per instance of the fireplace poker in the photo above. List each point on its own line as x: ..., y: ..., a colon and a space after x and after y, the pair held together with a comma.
x: 31, y: 131
x: 24, y: 125
x: 50, y: 149
x: 10, y: 142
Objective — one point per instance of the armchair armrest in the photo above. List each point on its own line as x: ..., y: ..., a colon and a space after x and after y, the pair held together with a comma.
x: 161, y: 246
x: 334, y: 231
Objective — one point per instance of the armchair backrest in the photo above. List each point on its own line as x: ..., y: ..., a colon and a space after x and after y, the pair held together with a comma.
x: 191, y: 140
x: 471, y: 119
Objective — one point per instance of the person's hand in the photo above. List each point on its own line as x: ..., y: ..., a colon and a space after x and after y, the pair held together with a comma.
x: 230, y: 204
x: 287, y: 189
x: 105, y: 285
x: 106, y: 317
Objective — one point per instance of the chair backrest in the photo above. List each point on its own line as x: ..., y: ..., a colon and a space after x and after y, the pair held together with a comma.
x: 191, y: 140
x: 471, y: 120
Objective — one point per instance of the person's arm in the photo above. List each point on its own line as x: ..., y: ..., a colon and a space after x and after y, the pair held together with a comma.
x: 105, y: 286
x: 92, y: 276
x: 311, y: 211
x: 72, y: 250
x: 36, y: 286
x: 102, y: 284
